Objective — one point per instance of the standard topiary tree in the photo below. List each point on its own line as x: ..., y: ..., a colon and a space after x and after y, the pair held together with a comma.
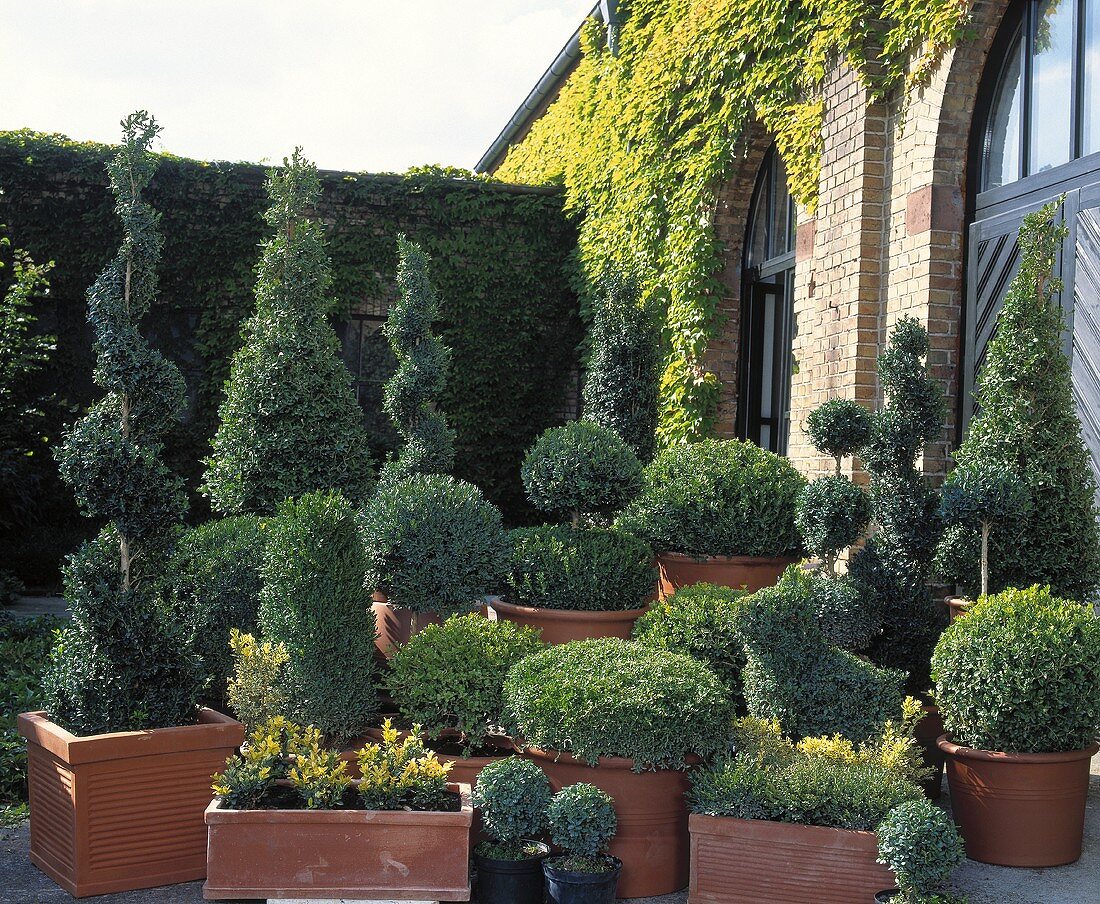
x: 1027, y: 424
x: 833, y: 513
x: 622, y: 382
x: 582, y: 823
x: 290, y: 424
x: 410, y: 396
x: 121, y: 664
x: 918, y: 841
x: 839, y: 428
x: 581, y: 470
x: 313, y: 603
x: 512, y: 795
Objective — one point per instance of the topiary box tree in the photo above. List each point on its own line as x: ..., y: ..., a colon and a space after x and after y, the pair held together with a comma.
x: 638, y: 715
x: 719, y: 512
x: 920, y: 844
x: 582, y: 823
x: 121, y: 718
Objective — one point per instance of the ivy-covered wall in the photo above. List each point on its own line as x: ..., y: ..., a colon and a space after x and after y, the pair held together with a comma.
x: 501, y: 256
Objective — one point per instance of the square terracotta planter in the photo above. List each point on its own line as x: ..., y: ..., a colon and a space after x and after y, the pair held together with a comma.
x: 351, y: 854
x: 120, y: 811
x: 746, y: 861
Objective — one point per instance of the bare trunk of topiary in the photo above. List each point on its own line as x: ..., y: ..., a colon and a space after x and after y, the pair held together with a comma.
x: 985, y: 558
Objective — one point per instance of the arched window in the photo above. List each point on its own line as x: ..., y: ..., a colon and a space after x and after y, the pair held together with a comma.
x: 767, y: 311
x: 1041, y: 111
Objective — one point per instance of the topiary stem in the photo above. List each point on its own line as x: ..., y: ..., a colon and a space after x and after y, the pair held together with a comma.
x: 985, y: 558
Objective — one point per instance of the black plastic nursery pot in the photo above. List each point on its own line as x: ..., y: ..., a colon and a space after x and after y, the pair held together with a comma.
x: 884, y: 897
x: 566, y: 887
x: 511, y: 881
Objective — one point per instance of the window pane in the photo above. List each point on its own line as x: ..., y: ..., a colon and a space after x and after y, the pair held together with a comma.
x: 758, y: 248
x: 1051, y: 88
x: 1002, y: 163
x: 1090, y: 115
x: 780, y: 233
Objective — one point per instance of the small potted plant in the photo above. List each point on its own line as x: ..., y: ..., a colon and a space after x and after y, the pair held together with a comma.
x: 718, y: 512
x: 435, y: 547
x: 512, y: 797
x: 920, y: 844
x: 286, y: 807
x: 628, y: 719
x: 582, y: 823
x: 1016, y: 686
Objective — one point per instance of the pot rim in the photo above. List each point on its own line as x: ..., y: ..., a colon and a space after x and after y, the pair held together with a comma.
x: 725, y: 560
x: 616, y: 863
x: 1000, y: 756
x: 538, y: 858
x: 604, y: 762
x: 570, y: 614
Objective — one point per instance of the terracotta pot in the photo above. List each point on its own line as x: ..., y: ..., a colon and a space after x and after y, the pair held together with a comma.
x: 652, y: 838
x: 563, y: 625
x: 121, y: 811
x: 747, y: 861
x: 927, y: 734
x: 751, y: 572
x: 1019, y: 809
x: 358, y: 854
x: 956, y: 606
x: 396, y: 626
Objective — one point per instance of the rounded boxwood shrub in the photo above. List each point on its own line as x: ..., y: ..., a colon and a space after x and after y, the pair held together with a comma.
x: 513, y: 796
x: 832, y: 514
x: 581, y: 469
x: 700, y: 620
x: 612, y: 697
x: 1019, y: 674
x: 582, y: 823
x: 450, y: 676
x: 839, y: 427
x: 433, y: 544
x: 595, y: 568
x: 718, y: 498
x: 920, y: 843
x: 313, y: 602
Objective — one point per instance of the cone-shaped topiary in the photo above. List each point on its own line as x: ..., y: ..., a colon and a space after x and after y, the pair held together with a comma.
x: 1027, y: 425
x: 410, y: 394
x: 624, y: 371
x: 313, y: 602
x: 120, y: 663
x: 290, y: 424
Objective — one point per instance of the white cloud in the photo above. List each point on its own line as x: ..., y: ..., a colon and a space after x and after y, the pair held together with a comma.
x: 367, y: 85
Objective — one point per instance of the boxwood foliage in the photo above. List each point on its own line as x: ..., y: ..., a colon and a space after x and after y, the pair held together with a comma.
x: 794, y: 675
x: 718, y: 498
x: 450, y: 677
x: 512, y: 796
x: 582, y: 822
x: 314, y: 603
x: 581, y: 469
x: 593, y: 568
x: 613, y: 697
x: 216, y: 583
x: 433, y: 544
x: 919, y: 842
x: 839, y: 428
x: 1019, y: 673
x: 700, y: 620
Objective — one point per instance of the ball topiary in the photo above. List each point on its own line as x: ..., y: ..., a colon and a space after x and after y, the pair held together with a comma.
x: 562, y: 567
x: 839, y: 427
x: 513, y: 796
x: 700, y: 620
x: 1019, y: 674
x: 582, y: 823
x: 581, y: 469
x: 919, y: 842
x: 833, y: 513
x: 612, y: 697
x: 433, y: 544
x: 449, y: 677
x: 313, y: 602
x: 718, y: 498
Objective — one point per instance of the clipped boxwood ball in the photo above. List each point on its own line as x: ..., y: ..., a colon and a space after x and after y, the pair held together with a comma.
x: 839, y: 427
x: 718, y: 498
x: 613, y: 697
x: 596, y: 569
x: 833, y: 513
x: 582, y: 820
x: 920, y: 843
x: 581, y: 468
x: 1019, y: 673
x: 512, y: 795
x: 433, y: 544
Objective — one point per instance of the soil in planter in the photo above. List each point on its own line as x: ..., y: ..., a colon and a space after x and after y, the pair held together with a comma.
x: 285, y: 797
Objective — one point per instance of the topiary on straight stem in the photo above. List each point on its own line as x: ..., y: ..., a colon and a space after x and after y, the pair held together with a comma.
x: 121, y: 664
x: 290, y: 424
x: 411, y: 395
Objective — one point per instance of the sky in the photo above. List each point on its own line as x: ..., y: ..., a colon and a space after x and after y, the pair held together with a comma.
x: 374, y: 85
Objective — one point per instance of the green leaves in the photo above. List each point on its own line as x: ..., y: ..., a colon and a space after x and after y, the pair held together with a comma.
x: 582, y: 820
x: 512, y: 795
x: 920, y: 843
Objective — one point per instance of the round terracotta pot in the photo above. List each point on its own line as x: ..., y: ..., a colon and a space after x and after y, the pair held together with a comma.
x: 927, y: 735
x: 396, y: 626
x: 751, y: 572
x: 1019, y: 809
x: 956, y: 605
x: 561, y: 625
x: 652, y: 838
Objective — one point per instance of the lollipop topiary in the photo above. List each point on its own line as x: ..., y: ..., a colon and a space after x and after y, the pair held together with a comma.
x: 832, y: 515
x: 840, y: 428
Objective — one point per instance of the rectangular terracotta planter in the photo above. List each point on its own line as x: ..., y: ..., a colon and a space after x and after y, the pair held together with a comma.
x: 350, y: 854
x: 120, y: 811
x: 747, y: 861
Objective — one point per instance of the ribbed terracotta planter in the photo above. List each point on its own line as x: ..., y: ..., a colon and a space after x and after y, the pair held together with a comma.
x: 752, y: 573
x: 396, y: 626
x: 562, y: 625
x: 652, y: 838
x: 1019, y: 809
x: 121, y: 811
x: 750, y: 861
x: 957, y: 605
x: 356, y: 854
